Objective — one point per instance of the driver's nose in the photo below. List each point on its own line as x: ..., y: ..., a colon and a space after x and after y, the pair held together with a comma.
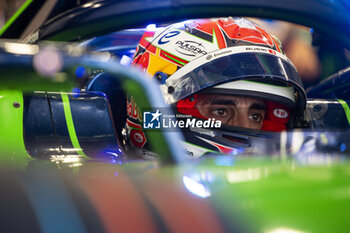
x: 240, y: 119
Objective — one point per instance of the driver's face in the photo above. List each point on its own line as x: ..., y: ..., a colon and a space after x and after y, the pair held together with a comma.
x: 232, y: 110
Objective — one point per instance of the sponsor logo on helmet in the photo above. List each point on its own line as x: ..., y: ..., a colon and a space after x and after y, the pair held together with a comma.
x: 209, y: 57
x: 165, y: 37
x: 257, y: 49
x: 188, y: 153
x: 261, y: 49
x: 222, y: 53
x: 138, y: 137
x: 132, y: 109
x: 272, y: 51
x: 280, y: 113
x: 190, y: 48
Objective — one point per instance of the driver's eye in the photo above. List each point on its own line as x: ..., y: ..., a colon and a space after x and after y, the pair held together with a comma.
x: 257, y: 117
x: 221, y: 112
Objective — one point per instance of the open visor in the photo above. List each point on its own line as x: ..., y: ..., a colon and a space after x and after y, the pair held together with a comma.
x: 231, y: 64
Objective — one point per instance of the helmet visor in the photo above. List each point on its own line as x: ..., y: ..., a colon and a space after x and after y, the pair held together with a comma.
x: 230, y: 64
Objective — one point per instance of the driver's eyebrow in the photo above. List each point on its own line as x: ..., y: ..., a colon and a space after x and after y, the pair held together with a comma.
x: 257, y: 106
x: 222, y: 102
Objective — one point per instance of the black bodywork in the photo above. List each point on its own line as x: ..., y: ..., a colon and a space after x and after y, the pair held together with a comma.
x: 45, y: 126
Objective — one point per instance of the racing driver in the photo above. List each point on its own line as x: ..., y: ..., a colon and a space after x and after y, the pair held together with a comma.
x: 227, y: 69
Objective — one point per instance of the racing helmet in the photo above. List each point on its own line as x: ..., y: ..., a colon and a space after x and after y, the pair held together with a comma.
x: 197, y: 59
